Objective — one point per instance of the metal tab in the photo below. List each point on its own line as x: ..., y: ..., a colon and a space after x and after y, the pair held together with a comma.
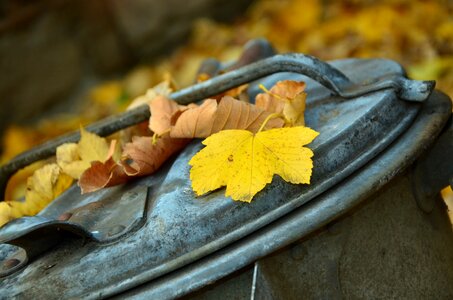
x: 103, y: 217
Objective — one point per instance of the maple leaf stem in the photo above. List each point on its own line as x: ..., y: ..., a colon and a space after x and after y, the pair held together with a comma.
x: 157, y: 136
x: 269, y: 117
x: 264, y: 89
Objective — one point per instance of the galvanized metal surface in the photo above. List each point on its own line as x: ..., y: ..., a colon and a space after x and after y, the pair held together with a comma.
x: 181, y: 228
x: 324, y: 73
x: 93, y: 217
x: 328, y: 207
x: 103, y: 217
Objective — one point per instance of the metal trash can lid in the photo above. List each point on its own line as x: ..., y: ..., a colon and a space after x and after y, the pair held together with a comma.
x: 146, y: 229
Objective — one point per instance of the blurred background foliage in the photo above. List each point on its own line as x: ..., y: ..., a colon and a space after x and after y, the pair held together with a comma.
x: 417, y: 34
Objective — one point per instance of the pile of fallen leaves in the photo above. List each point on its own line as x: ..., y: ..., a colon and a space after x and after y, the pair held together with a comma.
x: 418, y: 34
x: 246, y: 145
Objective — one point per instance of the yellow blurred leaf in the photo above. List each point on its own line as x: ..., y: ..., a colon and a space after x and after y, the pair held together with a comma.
x: 16, y: 140
x: 69, y: 160
x: 138, y: 81
x: 10, y: 210
x: 17, y: 184
x: 304, y: 15
x: 162, y: 89
x: 46, y: 184
x: 74, y: 159
x: 92, y: 147
x: 447, y: 195
x: 107, y: 93
x: 432, y: 69
x: 245, y: 162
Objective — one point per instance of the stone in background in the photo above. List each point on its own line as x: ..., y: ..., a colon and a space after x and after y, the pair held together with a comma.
x: 48, y: 48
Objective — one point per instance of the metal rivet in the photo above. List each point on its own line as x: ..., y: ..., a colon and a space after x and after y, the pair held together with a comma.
x: 10, y: 263
x: 65, y: 216
x: 116, y: 230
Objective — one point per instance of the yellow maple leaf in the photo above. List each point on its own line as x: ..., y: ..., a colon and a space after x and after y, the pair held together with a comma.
x: 245, y: 162
x: 74, y: 158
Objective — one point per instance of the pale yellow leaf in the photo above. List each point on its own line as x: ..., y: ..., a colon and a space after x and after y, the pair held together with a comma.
x: 7, y: 212
x: 74, y: 159
x: 43, y: 186
x: 162, y: 89
x: 69, y: 160
x: 92, y: 147
x: 294, y: 110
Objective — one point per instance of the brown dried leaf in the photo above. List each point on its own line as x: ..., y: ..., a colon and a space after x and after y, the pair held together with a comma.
x: 274, y: 100
x: 101, y: 175
x: 287, y: 97
x: 141, y: 157
x: 230, y: 113
x: 294, y: 110
x: 196, y: 121
x: 163, y: 111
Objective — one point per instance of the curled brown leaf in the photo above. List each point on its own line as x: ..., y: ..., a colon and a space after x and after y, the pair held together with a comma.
x: 101, y: 175
x: 163, y: 111
x: 140, y: 157
x: 229, y: 113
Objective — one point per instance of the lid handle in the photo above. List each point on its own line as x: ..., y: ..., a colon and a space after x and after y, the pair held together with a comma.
x: 325, y: 74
